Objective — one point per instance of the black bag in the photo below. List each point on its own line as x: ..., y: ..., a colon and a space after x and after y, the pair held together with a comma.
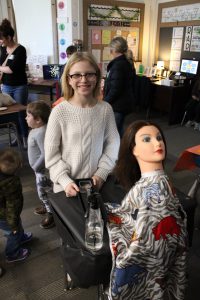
x: 85, y: 268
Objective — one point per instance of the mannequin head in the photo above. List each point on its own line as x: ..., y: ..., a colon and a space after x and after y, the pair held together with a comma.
x: 143, y: 149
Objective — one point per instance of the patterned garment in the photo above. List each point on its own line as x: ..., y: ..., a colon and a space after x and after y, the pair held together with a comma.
x: 149, y: 242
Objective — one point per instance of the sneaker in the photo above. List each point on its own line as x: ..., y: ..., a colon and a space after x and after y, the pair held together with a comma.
x: 41, y: 210
x: 189, y: 124
x: 48, y: 222
x: 26, y: 238
x: 22, y: 255
x: 196, y: 126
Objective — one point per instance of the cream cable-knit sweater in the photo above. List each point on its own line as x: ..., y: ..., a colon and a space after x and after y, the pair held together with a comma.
x: 80, y: 143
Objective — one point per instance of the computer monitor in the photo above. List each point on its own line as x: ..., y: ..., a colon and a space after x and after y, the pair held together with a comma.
x: 52, y: 71
x: 189, y: 66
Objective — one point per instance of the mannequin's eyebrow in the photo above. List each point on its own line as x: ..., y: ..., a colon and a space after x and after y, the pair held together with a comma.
x: 149, y: 134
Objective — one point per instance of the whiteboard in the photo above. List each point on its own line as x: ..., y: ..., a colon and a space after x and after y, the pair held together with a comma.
x: 34, y: 26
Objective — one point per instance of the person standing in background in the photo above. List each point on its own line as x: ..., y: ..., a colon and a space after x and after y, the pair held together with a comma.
x: 13, y: 72
x: 37, y: 117
x: 118, y: 89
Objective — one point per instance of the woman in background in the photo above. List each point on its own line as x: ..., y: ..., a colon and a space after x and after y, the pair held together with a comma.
x: 13, y: 72
x: 118, y: 89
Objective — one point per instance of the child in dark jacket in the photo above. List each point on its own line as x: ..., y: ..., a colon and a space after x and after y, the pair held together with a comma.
x: 11, y: 204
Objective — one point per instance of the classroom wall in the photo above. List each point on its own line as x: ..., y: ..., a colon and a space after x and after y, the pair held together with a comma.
x: 3, y: 10
x: 150, y: 31
x: 34, y: 26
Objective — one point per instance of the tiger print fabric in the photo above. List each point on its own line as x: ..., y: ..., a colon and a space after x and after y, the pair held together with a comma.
x: 148, y: 242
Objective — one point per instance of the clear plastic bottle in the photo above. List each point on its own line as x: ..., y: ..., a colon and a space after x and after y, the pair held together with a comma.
x: 94, y: 225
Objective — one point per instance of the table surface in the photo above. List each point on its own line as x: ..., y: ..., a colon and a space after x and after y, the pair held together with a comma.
x: 43, y: 82
x: 13, y: 109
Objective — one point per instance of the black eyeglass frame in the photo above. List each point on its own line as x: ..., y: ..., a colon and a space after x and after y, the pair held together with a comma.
x: 80, y: 76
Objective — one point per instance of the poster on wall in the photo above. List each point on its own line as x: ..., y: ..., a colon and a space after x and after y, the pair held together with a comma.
x: 188, y: 37
x: 195, y: 40
x: 176, y: 46
x: 106, y: 37
x: 133, y: 42
x: 175, y: 55
x: 96, y: 37
x: 177, y: 33
x: 106, y: 55
x: 97, y: 54
x: 181, y: 13
x: 174, y: 65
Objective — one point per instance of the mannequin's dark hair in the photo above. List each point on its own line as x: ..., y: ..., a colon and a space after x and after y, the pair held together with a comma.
x: 6, y: 29
x: 127, y: 170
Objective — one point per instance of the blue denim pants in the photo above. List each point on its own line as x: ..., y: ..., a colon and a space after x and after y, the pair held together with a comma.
x: 20, y: 95
x: 13, y: 243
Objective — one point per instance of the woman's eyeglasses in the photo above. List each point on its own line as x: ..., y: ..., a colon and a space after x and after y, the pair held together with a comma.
x: 78, y: 76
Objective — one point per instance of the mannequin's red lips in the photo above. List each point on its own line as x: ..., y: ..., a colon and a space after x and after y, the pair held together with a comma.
x: 159, y: 151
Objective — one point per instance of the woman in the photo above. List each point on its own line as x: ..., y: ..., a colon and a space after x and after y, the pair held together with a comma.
x: 81, y: 139
x: 13, y: 75
x: 193, y: 107
x: 148, y: 230
x: 118, y: 89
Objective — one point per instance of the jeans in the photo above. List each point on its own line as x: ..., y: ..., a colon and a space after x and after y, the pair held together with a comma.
x: 44, y: 185
x: 13, y: 240
x: 119, y: 118
x: 20, y: 95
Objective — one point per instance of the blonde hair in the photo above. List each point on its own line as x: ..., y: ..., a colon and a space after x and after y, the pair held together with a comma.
x: 10, y: 161
x: 119, y: 44
x: 68, y: 91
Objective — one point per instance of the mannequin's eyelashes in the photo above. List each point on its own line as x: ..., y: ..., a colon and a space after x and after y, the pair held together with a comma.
x: 159, y: 137
x: 147, y: 138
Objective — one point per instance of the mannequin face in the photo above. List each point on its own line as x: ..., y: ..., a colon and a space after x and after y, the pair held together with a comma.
x: 149, y: 146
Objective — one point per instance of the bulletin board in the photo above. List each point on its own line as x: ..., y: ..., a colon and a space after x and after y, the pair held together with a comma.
x: 104, y: 20
x: 178, y: 33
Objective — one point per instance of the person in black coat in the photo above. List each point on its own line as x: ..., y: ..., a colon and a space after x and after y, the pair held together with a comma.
x: 193, y: 107
x: 118, y: 88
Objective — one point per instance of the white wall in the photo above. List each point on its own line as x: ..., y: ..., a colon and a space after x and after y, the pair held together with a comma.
x: 3, y: 10
x: 34, y: 26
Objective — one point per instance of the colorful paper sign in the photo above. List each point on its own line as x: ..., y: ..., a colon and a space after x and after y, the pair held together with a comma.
x: 106, y: 37
x: 96, y: 37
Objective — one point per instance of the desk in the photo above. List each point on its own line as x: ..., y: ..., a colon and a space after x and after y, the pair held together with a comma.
x: 15, y: 108
x: 170, y: 99
x: 41, y: 84
x: 10, y: 124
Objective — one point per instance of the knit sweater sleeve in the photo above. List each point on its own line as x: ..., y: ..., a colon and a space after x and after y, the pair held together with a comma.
x: 111, y: 145
x: 39, y: 163
x: 58, y: 169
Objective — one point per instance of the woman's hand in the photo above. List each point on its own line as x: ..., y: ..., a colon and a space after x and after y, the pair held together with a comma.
x: 71, y: 189
x: 97, y: 181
